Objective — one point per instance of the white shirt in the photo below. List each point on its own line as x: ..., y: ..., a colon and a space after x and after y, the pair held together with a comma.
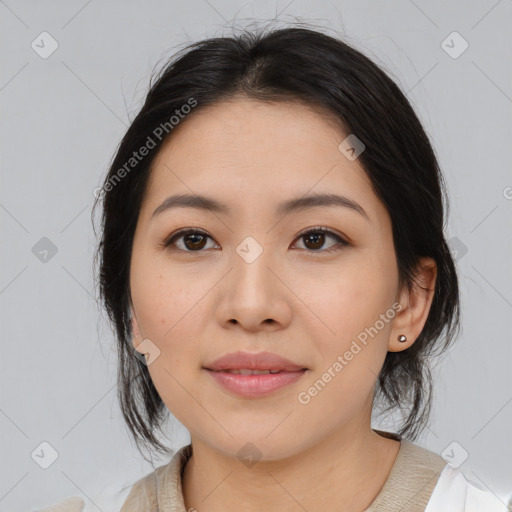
x: 455, y: 493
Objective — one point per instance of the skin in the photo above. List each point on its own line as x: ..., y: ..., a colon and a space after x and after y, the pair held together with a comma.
x: 296, y: 299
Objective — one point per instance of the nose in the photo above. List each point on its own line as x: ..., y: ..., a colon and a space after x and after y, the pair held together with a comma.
x: 253, y: 295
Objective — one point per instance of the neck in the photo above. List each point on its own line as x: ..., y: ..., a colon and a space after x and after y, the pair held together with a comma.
x: 344, y: 472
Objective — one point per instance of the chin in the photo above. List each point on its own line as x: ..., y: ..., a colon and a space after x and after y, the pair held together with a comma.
x: 252, y: 447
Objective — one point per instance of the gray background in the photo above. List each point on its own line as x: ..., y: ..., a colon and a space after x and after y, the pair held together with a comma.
x: 62, y: 118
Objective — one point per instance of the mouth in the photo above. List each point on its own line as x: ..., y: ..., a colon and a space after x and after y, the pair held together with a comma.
x: 245, y: 363
x: 254, y: 375
x: 253, y: 384
x: 246, y: 371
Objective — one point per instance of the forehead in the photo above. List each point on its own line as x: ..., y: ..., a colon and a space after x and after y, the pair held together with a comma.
x: 251, y: 154
x: 243, y: 124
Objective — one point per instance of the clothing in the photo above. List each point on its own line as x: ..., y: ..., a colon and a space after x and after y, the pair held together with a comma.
x: 419, y: 481
x: 72, y: 504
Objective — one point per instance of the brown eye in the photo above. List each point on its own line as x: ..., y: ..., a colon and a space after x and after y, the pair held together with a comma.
x: 317, y: 240
x: 314, y: 239
x: 192, y: 240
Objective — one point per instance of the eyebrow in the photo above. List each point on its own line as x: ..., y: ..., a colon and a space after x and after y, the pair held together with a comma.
x: 292, y: 205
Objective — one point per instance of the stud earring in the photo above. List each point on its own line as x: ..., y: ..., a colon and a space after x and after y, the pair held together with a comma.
x: 402, y: 338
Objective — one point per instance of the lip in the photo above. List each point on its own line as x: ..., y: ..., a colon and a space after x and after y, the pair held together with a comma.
x: 254, y: 386
x: 259, y: 361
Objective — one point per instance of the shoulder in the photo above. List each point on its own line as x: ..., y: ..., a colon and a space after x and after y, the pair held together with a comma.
x: 411, y: 481
x: 448, y: 488
x: 421, y: 480
x: 160, y: 489
x: 454, y: 491
x: 412, y: 455
x: 143, y: 494
x: 71, y: 504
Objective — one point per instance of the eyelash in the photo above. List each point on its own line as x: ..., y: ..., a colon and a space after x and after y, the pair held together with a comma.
x: 170, y: 240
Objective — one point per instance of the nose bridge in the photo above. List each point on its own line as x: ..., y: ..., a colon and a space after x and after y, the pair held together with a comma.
x: 250, y: 250
x: 252, y: 293
x: 251, y: 260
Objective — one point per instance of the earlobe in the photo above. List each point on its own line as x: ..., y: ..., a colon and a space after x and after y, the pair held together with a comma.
x: 135, y: 326
x: 415, y: 305
x: 136, y: 336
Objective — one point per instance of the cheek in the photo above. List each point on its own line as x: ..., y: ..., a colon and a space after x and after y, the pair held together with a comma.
x: 161, y: 296
x: 351, y: 298
x: 169, y: 311
x: 351, y: 305
x: 171, y: 314
x: 352, y: 352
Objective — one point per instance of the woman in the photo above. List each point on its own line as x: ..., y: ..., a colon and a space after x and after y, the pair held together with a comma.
x: 274, y: 263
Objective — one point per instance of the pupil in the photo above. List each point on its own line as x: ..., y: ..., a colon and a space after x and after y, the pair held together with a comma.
x: 195, y: 244
x: 198, y: 243
x: 316, y: 236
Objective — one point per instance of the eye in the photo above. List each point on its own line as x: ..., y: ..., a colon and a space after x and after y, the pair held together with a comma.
x: 193, y: 240
x: 315, y: 238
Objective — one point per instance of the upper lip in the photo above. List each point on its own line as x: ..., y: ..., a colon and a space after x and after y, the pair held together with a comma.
x: 259, y: 361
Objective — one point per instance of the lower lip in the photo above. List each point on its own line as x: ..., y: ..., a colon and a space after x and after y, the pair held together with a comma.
x: 253, y: 386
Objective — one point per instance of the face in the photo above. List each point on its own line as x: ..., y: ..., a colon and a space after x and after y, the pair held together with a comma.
x: 255, y: 278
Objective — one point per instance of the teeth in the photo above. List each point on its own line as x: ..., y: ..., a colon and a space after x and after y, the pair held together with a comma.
x: 251, y: 372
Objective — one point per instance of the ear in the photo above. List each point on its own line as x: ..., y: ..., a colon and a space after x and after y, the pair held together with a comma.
x: 135, y: 328
x: 415, y: 303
